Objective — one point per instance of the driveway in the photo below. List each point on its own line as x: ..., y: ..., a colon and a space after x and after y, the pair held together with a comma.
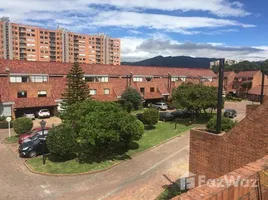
x: 142, y: 177
x: 49, y: 122
x: 240, y: 107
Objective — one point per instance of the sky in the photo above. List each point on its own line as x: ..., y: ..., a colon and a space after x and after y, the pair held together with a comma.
x: 198, y: 28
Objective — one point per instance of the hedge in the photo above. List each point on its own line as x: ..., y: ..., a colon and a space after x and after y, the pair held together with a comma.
x: 4, y: 124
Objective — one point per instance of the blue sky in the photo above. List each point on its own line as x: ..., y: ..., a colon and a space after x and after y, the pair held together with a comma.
x: 213, y: 28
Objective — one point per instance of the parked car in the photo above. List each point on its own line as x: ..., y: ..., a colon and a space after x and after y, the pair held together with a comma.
x: 166, y: 116
x: 32, y: 133
x: 33, y: 147
x: 29, y: 115
x: 230, y: 113
x: 43, y: 113
x: 182, y: 113
x: 160, y: 106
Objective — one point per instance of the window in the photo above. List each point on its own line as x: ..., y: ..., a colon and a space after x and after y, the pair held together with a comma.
x: 93, y: 92
x: 22, y: 94
x: 174, y: 79
x: 148, y: 78
x: 106, y: 91
x: 137, y: 79
x: 183, y: 78
x: 142, y: 90
x: 18, y: 79
x: 103, y: 79
x: 42, y: 93
x: 152, y: 89
x: 39, y: 78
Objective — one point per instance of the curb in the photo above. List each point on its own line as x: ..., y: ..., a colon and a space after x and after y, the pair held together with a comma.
x: 106, y: 169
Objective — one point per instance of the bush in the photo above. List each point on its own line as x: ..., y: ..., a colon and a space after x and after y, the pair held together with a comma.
x: 226, y: 124
x: 2, y: 118
x: 60, y: 141
x: 4, y: 124
x: 132, y: 96
x: 22, y: 125
x: 128, y: 106
x: 150, y: 116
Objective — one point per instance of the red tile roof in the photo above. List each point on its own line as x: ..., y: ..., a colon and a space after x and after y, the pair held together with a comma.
x: 163, y: 89
x: 246, y: 74
x: 34, y: 102
x: 59, y: 68
x: 152, y: 95
x: 105, y: 97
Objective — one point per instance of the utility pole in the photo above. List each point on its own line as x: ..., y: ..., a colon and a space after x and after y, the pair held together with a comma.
x: 220, y: 91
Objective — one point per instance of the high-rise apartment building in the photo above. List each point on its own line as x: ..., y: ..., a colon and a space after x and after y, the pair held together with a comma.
x: 30, y: 43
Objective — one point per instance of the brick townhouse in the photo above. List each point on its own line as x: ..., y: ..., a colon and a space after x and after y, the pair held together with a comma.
x: 29, y: 86
x: 233, y: 83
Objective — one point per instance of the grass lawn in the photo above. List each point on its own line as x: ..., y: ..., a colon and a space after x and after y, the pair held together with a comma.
x: 12, y: 139
x: 162, y: 132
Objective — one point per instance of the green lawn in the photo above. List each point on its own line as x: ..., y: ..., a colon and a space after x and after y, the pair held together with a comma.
x: 12, y: 139
x: 162, y: 132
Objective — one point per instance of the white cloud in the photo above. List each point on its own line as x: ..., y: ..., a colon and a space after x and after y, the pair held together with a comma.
x: 136, y: 49
x: 158, y: 21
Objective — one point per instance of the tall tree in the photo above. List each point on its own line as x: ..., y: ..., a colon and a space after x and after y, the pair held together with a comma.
x: 133, y: 97
x: 76, y: 88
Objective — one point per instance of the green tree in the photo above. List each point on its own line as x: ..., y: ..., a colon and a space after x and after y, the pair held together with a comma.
x: 61, y: 142
x: 226, y: 124
x: 131, y: 95
x: 22, y: 125
x: 247, y: 85
x: 150, y: 117
x: 76, y: 88
x: 97, y: 125
x: 195, y: 97
x: 130, y: 129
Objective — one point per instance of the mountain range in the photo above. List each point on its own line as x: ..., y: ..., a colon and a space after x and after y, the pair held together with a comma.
x: 177, y: 61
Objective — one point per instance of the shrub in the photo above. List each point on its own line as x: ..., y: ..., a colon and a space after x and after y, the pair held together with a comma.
x: 22, y: 125
x: 226, y: 124
x: 2, y: 118
x: 132, y: 96
x: 128, y: 106
x: 130, y: 129
x: 60, y: 141
x: 4, y: 124
x: 150, y: 116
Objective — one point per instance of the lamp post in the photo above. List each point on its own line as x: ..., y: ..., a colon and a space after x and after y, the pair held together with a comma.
x: 220, y: 90
x: 43, y: 125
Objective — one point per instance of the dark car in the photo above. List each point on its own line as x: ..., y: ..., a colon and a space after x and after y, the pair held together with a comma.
x: 33, y: 147
x: 230, y: 113
x: 182, y: 113
x: 166, y: 116
x: 32, y: 133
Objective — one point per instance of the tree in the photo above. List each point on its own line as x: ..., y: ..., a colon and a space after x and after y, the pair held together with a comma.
x: 226, y: 124
x: 22, y: 125
x: 131, y: 95
x: 130, y: 129
x: 150, y: 117
x: 97, y: 125
x: 195, y: 97
x: 76, y: 88
x: 61, y: 142
x: 247, y: 85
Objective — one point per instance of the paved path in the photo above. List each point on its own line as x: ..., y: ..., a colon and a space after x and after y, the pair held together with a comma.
x: 240, y: 107
x: 142, y: 177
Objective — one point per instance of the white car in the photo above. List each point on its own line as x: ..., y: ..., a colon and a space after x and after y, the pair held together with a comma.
x: 160, y: 106
x: 43, y: 113
x: 29, y: 115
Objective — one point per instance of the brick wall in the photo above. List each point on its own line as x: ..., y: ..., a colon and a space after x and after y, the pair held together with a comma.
x: 251, y: 108
x: 215, y: 155
x: 246, y: 183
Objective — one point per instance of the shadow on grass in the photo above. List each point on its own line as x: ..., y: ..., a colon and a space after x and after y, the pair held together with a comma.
x: 117, y: 151
x: 172, y: 190
x: 201, y: 119
x: 148, y: 128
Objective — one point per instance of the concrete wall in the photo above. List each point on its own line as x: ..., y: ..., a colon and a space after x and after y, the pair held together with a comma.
x: 214, y: 155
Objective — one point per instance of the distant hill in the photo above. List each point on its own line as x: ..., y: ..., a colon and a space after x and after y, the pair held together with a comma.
x: 178, y: 61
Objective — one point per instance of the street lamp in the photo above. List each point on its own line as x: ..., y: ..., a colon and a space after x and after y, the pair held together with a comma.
x: 43, y: 125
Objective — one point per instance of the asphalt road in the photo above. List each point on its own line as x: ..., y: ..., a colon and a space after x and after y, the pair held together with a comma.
x: 142, y: 177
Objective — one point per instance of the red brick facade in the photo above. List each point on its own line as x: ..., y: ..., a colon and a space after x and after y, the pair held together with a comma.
x: 246, y: 183
x: 106, y: 82
x: 215, y: 155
